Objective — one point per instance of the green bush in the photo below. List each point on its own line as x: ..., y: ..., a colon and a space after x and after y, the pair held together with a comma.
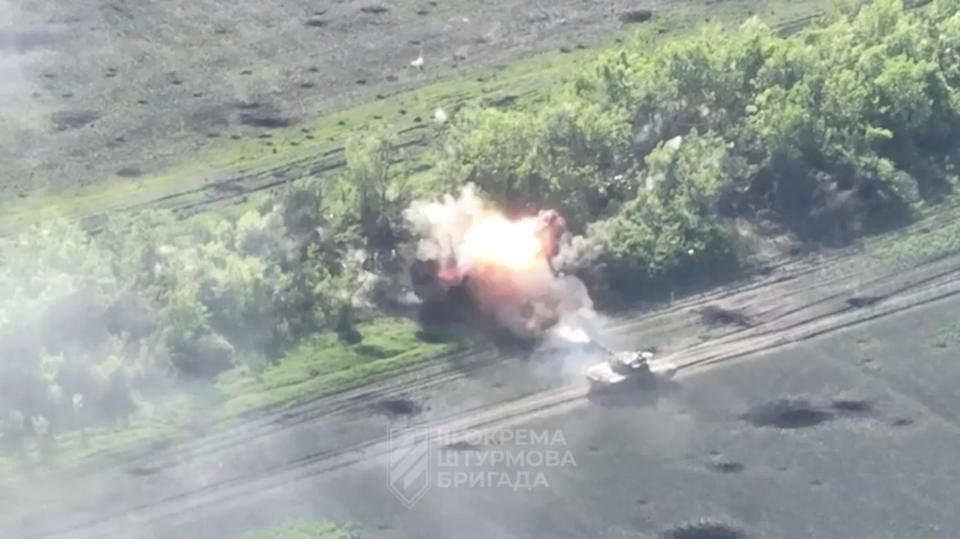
x: 667, y: 230
x: 562, y: 156
x: 650, y: 155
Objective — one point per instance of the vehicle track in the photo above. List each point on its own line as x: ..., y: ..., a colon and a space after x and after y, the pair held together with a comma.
x: 818, y: 307
x: 235, y: 185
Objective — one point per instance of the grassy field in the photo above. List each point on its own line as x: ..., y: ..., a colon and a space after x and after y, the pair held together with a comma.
x: 228, y: 175
x: 320, y: 366
x: 227, y: 171
x: 386, y: 347
x: 919, y: 246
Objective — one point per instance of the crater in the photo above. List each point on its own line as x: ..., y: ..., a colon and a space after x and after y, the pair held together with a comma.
x: 704, y: 530
x: 862, y: 301
x: 726, y: 466
x: 852, y: 406
x: 713, y: 315
x: 374, y: 10
x: 73, y: 119
x: 635, y: 16
x: 462, y: 445
x: 129, y: 172
x: 265, y: 119
x: 399, y: 406
x: 787, y: 414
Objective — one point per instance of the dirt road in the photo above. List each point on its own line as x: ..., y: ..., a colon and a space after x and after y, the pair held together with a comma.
x: 846, y: 323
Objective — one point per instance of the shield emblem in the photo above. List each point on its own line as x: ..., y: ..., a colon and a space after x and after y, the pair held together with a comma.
x: 409, y: 472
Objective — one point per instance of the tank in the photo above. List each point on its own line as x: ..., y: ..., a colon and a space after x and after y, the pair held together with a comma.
x: 621, y: 367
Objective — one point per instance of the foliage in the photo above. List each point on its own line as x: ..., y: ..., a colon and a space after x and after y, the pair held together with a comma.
x: 916, y: 246
x: 324, y: 362
x: 563, y: 156
x: 89, y: 323
x: 666, y: 229
x: 650, y: 155
x: 837, y: 130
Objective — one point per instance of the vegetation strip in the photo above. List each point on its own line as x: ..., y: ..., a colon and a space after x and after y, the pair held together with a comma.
x: 670, y: 160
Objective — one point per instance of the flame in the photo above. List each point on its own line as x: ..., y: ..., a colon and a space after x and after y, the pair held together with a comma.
x: 447, y: 274
x: 500, y: 242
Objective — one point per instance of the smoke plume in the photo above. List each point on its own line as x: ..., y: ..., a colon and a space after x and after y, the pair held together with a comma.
x: 504, y: 266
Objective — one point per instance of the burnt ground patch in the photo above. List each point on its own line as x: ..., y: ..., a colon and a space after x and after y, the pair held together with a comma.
x: 267, y: 119
x: 635, y: 16
x: 398, y: 407
x: 129, y: 172
x: 862, y: 301
x: 73, y: 119
x: 787, y: 414
x: 462, y: 445
x: 705, y: 529
x: 726, y: 466
x: 714, y: 315
x: 852, y: 406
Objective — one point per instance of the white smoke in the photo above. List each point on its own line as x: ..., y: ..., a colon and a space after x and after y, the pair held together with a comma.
x: 531, y: 301
x: 442, y: 225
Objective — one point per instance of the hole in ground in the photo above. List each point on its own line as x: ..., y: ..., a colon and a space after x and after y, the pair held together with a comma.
x: 854, y: 406
x: 787, y: 414
x: 726, y: 466
x: 462, y: 445
x: 704, y: 530
x: 399, y: 406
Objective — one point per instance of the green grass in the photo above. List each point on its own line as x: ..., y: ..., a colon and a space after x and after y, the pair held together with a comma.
x: 917, y: 246
x: 325, y: 363
x: 152, y: 423
x: 320, y: 365
x: 300, y: 528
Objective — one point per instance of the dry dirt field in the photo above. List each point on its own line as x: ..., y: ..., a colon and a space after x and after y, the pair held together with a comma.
x: 100, y: 88
x: 109, y: 104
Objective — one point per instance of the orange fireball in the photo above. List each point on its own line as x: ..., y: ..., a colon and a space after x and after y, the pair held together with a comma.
x: 500, y: 242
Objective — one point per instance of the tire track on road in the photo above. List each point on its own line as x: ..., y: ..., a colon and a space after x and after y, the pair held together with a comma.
x: 901, y: 291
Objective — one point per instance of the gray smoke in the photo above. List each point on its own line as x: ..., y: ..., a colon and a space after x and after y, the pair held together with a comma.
x: 531, y: 300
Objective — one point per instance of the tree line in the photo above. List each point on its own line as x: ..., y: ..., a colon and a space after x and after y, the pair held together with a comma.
x: 660, y: 156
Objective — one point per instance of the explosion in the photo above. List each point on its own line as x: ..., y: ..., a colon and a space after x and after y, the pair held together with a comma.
x: 504, y: 265
x: 500, y: 242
